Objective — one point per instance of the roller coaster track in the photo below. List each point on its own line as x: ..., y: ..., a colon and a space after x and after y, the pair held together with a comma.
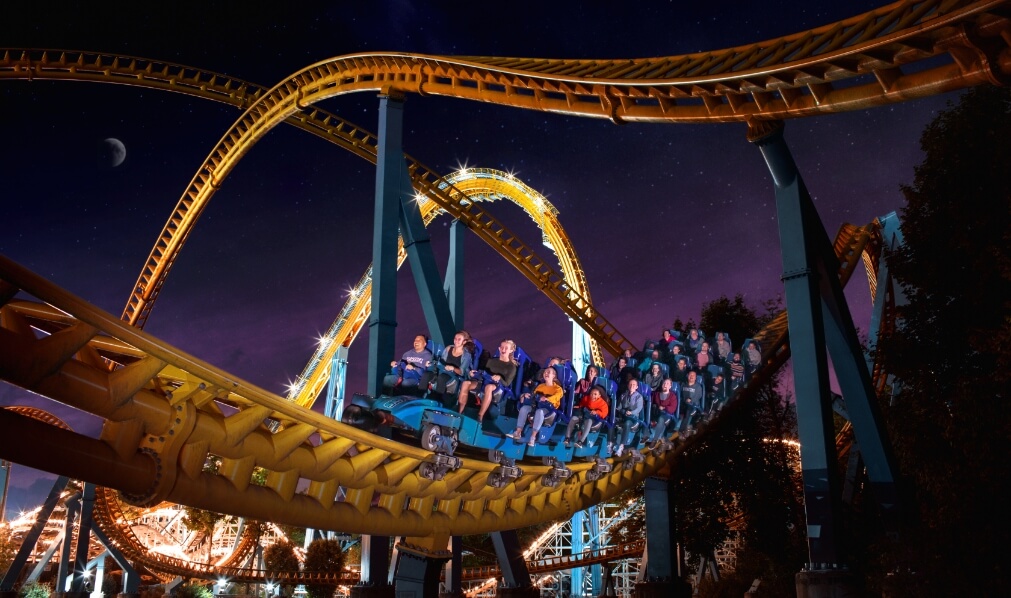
x: 743, y: 81
x: 166, y: 412
x: 565, y: 292
x: 793, y: 76
x: 850, y: 243
x: 465, y: 186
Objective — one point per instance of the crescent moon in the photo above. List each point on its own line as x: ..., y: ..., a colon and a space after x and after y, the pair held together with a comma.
x: 118, y: 150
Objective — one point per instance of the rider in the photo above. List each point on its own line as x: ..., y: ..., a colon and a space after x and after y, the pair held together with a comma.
x: 666, y: 403
x: 593, y: 408
x: 499, y: 374
x: 545, y: 401
x: 456, y: 360
x: 629, y: 407
x: 414, y: 363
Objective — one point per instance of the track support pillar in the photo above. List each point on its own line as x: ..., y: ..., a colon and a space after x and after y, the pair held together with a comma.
x: 390, y: 171
x: 454, y: 285
x: 819, y: 317
x: 418, y: 566
x: 515, y: 576
x: 661, y: 565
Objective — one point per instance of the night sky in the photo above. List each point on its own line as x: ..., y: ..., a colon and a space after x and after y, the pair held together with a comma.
x: 663, y: 217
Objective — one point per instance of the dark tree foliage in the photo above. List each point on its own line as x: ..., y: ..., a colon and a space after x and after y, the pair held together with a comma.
x: 744, y: 478
x: 733, y: 317
x: 203, y: 522
x: 323, y: 556
x: 950, y: 425
x: 280, y: 558
x: 191, y: 590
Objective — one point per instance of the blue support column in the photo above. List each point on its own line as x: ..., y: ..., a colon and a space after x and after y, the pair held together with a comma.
x: 453, y: 571
x: 819, y: 316
x: 659, y: 567
x: 515, y: 577
x: 5, y: 478
x: 83, y: 538
x: 418, y: 246
x: 63, y: 569
x: 578, y: 546
x: 453, y: 286
x: 596, y: 539
x: 32, y: 537
x: 660, y: 579
x: 390, y: 172
x: 336, y: 385
x: 807, y: 347
x: 131, y: 580
x: 375, y: 569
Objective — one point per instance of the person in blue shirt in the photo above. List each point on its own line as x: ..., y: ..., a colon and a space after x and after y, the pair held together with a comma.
x: 408, y: 371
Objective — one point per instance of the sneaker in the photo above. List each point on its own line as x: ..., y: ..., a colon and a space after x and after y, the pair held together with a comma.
x: 532, y: 442
x: 579, y: 444
x: 567, y: 442
x: 515, y: 435
x: 618, y: 451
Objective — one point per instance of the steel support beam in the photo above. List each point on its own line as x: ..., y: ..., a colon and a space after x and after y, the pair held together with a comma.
x: 390, y: 172
x: 659, y: 543
x: 73, y: 506
x: 337, y: 384
x: 820, y: 317
x: 453, y: 286
x: 427, y: 279
x: 511, y: 561
x: 131, y: 580
x: 83, y: 538
x: 807, y: 346
x: 417, y: 572
x: 32, y: 537
x: 453, y: 570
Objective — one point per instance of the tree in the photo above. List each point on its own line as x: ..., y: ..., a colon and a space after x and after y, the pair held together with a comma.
x: 8, y: 546
x: 734, y: 317
x: 280, y: 558
x: 323, y: 556
x: 950, y: 425
x: 191, y: 590
x: 35, y: 590
x: 203, y: 522
x: 743, y: 479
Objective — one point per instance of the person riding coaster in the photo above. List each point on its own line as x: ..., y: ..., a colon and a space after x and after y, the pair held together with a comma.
x: 545, y: 403
x: 406, y: 374
x: 493, y: 382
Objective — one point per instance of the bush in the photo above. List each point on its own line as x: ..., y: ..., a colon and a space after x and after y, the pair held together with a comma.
x: 193, y: 591
x: 35, y: 590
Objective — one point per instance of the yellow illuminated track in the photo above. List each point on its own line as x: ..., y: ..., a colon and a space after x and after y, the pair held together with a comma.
x: 466, y: 187
x: 165, y: 412
x: 852, y: 64
x: 568, y: 290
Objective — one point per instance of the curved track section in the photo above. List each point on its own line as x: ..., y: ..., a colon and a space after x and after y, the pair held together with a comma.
x: 166, y: 411
x: 853, y: 64
x: 81, y: 66
x: 466, y: 186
